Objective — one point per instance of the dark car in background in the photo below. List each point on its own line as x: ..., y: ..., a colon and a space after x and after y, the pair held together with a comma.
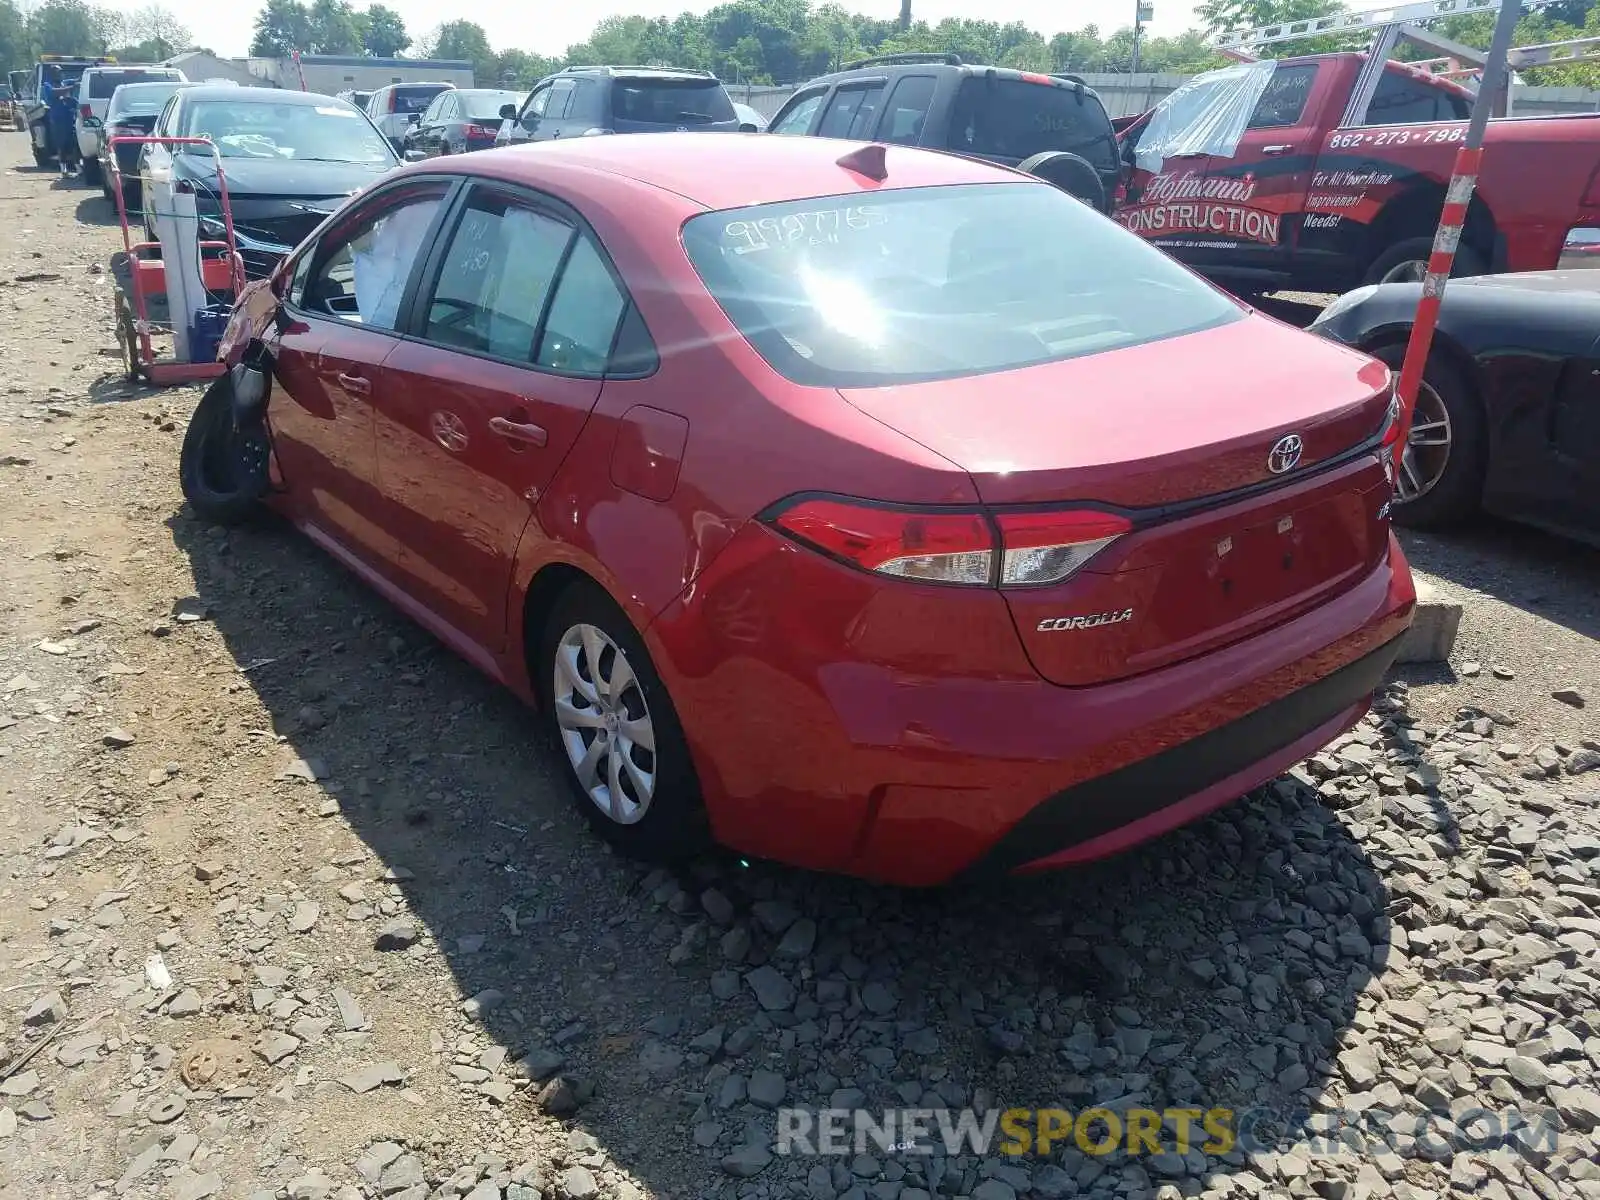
x: 458, y: 121
x: 290, y: 159
x: 584, y: 101
x: 1508, y: 413
x: 1052, y: 126
x: 132, y: 112
x: 392, y: 107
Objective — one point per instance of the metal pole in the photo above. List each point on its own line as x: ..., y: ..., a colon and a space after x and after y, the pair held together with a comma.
x: 1451, y: 222
x: 1138, y: 7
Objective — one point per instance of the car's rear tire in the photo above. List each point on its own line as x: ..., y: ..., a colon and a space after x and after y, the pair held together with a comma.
x: 623, y: 753
x: 1447, y: 479
x: 222, y: 468
x: 89, y: 169
x: 1407, y: 262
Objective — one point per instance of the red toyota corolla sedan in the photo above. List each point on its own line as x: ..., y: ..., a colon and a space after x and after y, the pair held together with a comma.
x: 879, y: 511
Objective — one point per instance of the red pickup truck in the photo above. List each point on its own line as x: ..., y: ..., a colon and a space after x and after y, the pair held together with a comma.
x: 1262, y: 176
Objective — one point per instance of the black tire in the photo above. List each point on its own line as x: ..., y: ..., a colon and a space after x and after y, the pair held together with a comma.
x: 1458, y: 492
x: 1071, y: 173
x: 673, y: 826
x: 89, y: 169
x: 221, y: 468
x: 1420, y: 249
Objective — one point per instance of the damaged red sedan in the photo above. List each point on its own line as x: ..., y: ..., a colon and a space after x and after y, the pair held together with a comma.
x: 875, y: 510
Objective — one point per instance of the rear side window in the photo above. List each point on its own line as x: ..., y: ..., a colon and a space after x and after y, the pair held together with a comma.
x: 413, y: 98
x: 1401, y: 100
x: 852, y: 112
x: 907, y: 110
x: 1015, y: 119
x: 940, y: 282
x: 103, y: 83
x: 583, y: 316
x: 671, y: 101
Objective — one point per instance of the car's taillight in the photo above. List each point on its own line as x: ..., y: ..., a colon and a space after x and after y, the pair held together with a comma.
x: 480, y: 131
x: 85, y: 111
x: 953, y: 546
x: 1036, y: 77
x: 937, y: 547
x: 1046, y: 547
x: 394, y: 102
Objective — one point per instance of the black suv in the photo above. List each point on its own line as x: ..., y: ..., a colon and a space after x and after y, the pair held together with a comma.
x: 1052, y: 126
x: 589, y: 100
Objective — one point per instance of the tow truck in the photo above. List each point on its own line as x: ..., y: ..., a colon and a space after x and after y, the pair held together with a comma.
x: 60, y: 72
x: 1322, y: 172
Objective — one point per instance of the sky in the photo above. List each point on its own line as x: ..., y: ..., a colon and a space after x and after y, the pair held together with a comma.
x: 225, y: 26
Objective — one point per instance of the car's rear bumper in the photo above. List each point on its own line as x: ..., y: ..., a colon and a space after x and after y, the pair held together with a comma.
x: 812, y: 751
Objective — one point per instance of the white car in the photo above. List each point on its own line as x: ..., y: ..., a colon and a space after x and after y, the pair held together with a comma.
x: 393, y: 106
x: 94, y: 96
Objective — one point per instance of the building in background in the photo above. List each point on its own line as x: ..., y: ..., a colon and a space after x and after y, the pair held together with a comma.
x: 331, y: 74
x: 198, y: 66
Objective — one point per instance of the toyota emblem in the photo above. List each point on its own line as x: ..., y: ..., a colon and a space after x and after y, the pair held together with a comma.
x: 1285, y: 454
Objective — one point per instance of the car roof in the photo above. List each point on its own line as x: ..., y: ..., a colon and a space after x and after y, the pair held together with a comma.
x: 880, y: 69
x: 723, y: 170
x: 255, y: 95
x: 150, y: 85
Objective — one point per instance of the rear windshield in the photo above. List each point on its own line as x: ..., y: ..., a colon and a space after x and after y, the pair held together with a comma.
x: 144, y: 100
x: 1015, y: 119
x: 671, y: 101
x: 486, y: 106
x: 933, y: 283
x: 103, y: 83
x: 415, y: 98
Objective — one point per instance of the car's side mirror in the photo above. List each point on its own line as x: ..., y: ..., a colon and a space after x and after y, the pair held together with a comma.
x: 748, y: 127
x: 413, y: 155
x: 92, y: 123
x: 508, y: 112
x: 416, y: 118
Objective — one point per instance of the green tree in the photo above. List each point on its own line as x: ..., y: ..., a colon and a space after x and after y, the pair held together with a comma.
x: 14, y: 48
x: 332, y: 28
x: 159, y: 26
x: 463, y: 39
x: 282, y: 26
x: 62, y: 27
x: 385, y: 33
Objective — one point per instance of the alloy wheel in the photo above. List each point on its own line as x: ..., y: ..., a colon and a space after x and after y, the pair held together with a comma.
x: 1427, y: 451
x: 604, y: 723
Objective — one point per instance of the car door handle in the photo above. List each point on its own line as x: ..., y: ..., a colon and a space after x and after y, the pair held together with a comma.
x: 518, y: 431
x: 355, y: 383
x: 1279, y: 149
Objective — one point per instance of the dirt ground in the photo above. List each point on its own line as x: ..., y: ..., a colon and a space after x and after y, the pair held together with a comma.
x: 290, y: 906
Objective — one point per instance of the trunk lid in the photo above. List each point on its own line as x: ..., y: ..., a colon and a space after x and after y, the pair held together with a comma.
x: 1176, y: 435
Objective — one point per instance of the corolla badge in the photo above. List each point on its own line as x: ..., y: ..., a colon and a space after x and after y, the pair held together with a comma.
x: 1089, y: 621
x: 1285, y: 454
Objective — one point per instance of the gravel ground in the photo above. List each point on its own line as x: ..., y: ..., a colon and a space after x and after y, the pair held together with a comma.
x: 289, y: 906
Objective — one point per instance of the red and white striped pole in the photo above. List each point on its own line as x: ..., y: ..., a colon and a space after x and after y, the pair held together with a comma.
x: 1453, y: 219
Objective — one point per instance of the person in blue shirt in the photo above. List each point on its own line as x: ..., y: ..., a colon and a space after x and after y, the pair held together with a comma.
x: 61, y: 106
